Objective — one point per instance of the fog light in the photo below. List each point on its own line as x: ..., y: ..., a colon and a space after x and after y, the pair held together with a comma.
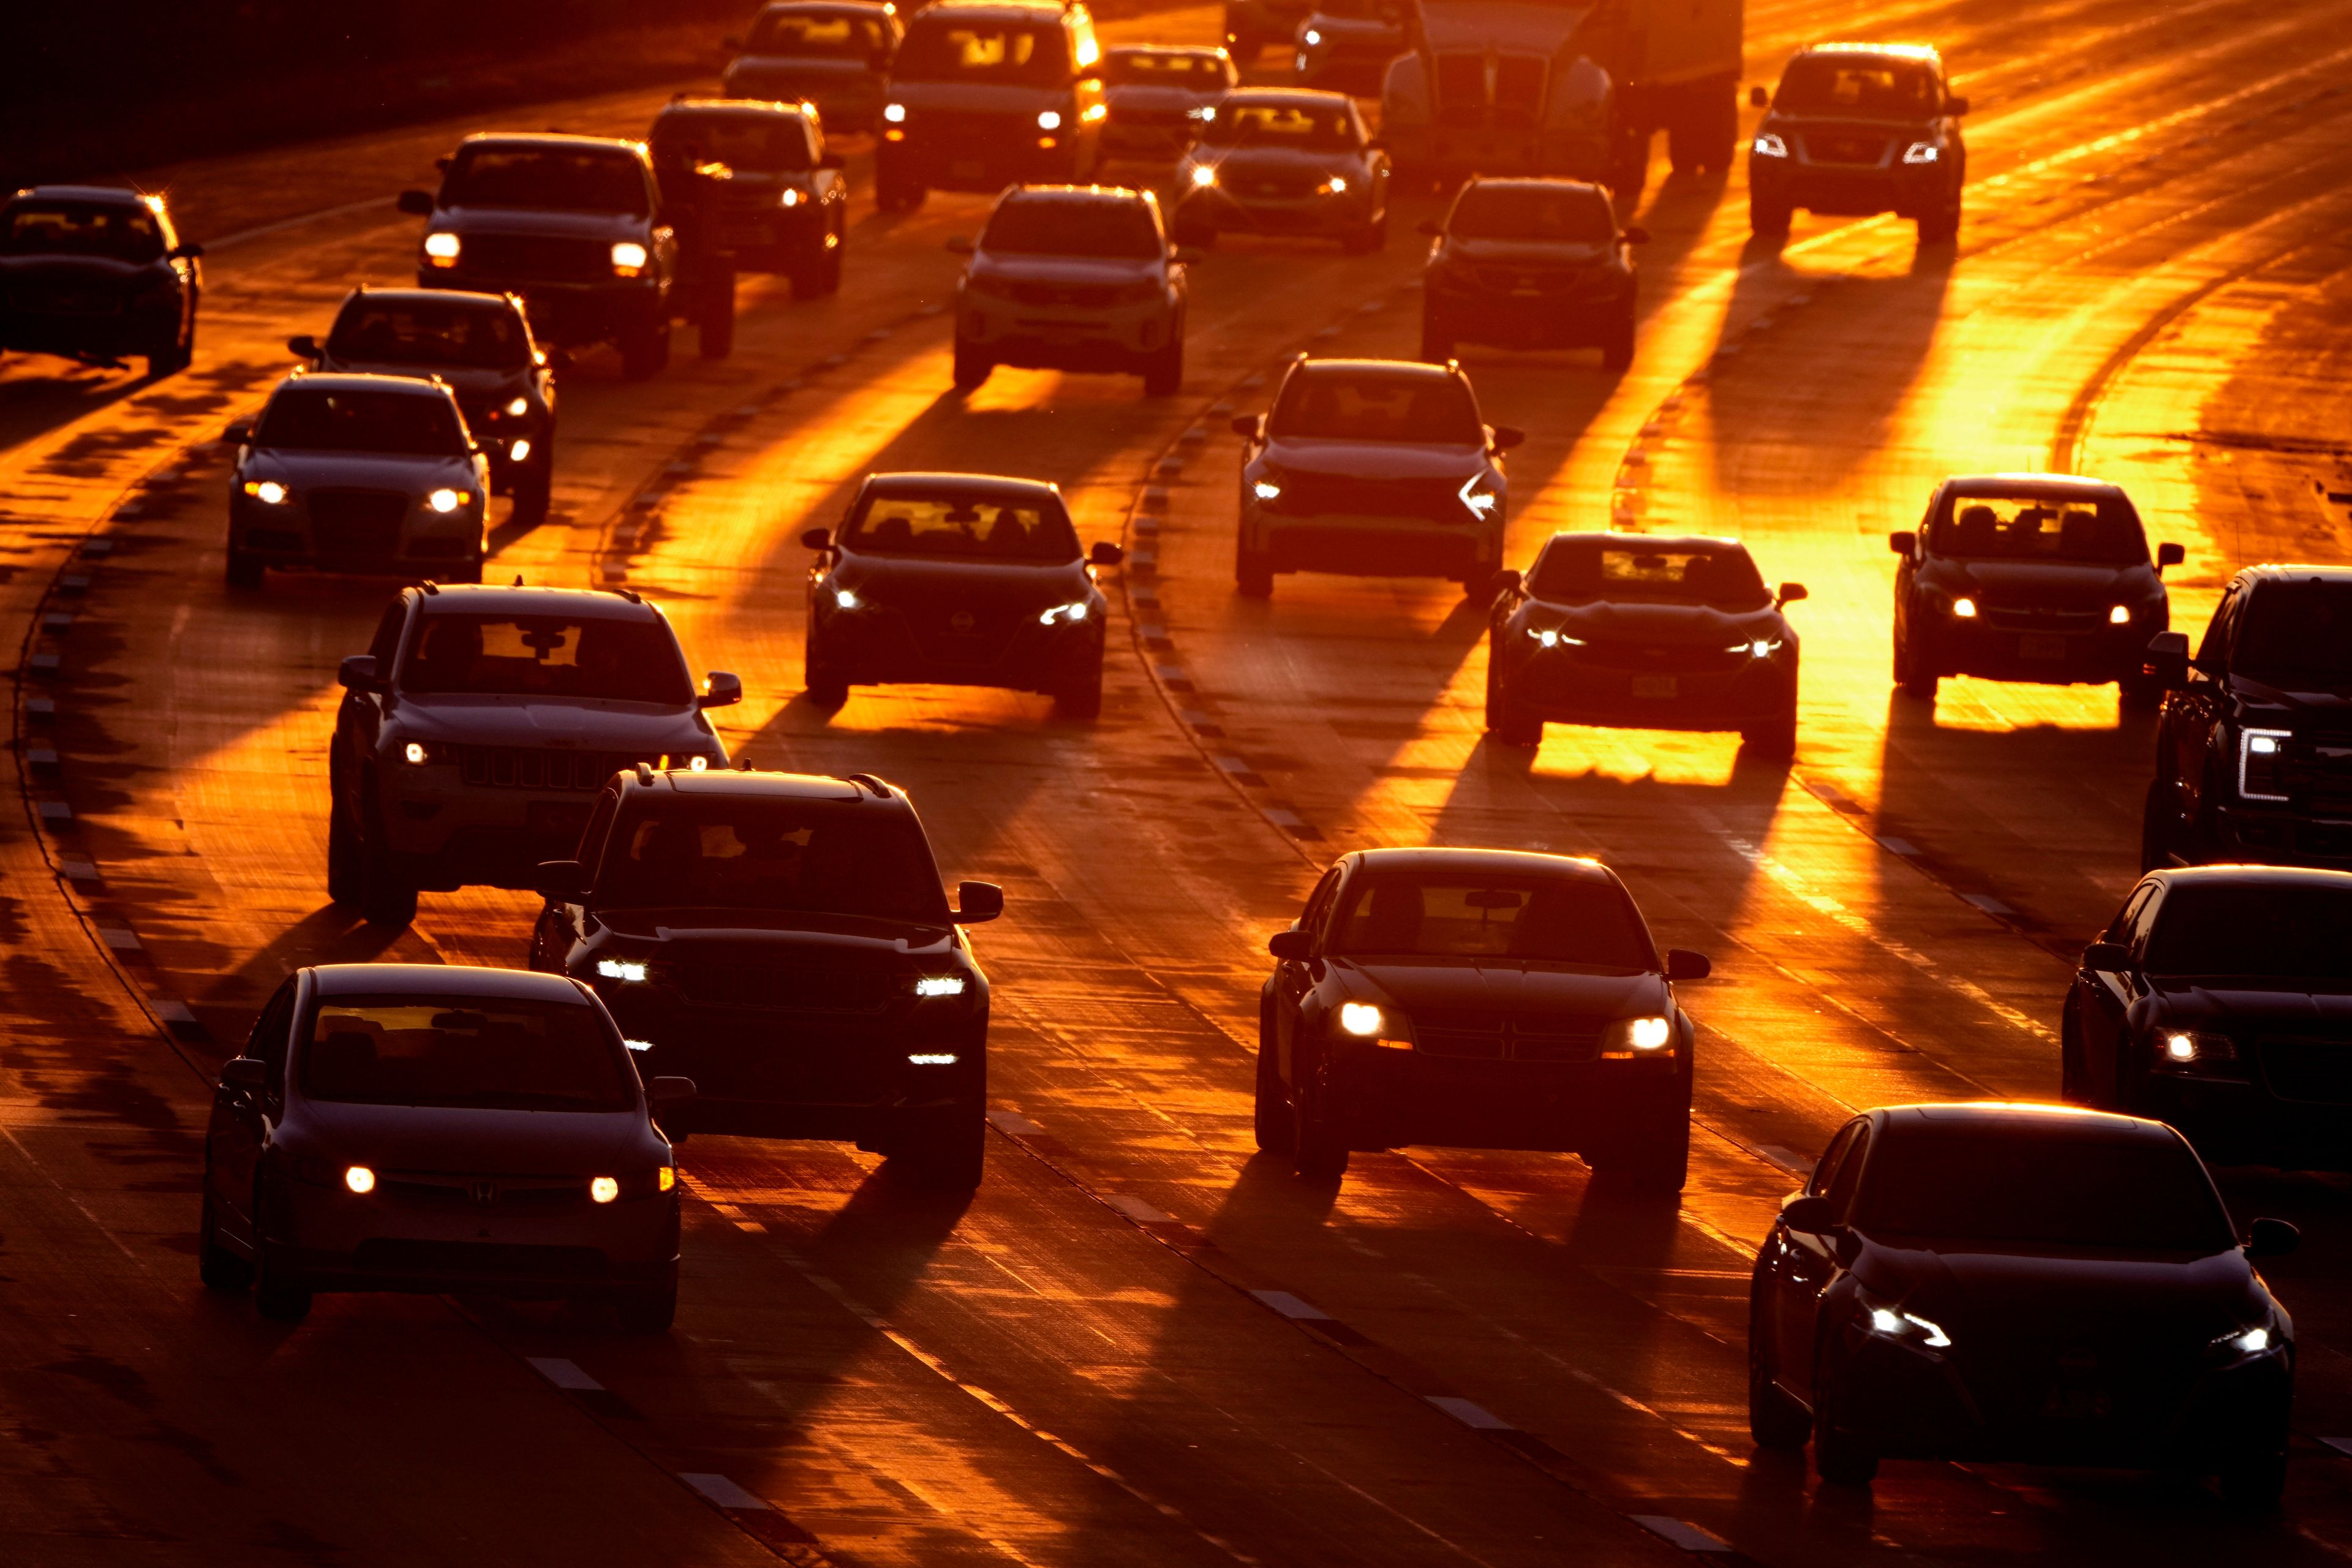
x: 604, y: 1189
x: 360, y: 1179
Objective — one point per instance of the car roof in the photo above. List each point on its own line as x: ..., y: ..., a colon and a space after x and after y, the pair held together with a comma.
x: 1197, y: 51
x: 356, y: 380
x: 1309, y: 97
x: 475, y: 298
x: 1402, y: 369
x: 441, y: 980
x: 825, y: 7
x: 103, y: 195
x: 586, y: 603
x: 1493, y: 862
x: 553, y: 141
x: 1531, y: 183
x: 2045, y: 484
x: 2251, y: 876
x: 993, y: 11
x: 773, y: 786
x: 2280, y: 572
x: 915, y: 483
x: 714, y: 107
x: 2024, y: 1117
x: 1655, y: 541
x: 1925, y: 54
x: 1122, y: 195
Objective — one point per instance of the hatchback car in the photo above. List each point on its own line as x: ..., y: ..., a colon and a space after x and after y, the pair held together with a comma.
x: 985, y: 93
x: 1857, y: 128
x: 436, y: 1128
x: 777, y: 200
x: 476, y: 728
x: 1072, y: 278
x: 1647, y: 631
x: 97, y: 273
x: 1530, y: 264
x: 1347, y: 45
x: 958, y: 579
x: 1374, y: 467
x: 357, y: 473
x: 2020, y: 1282
x: 1157, y: 97
x: 2219, y: 999
x: 784, y: 938
x: 835, y: 54
x: 1477, y: 998
x: 1285, y: 162
x: 480, y: 346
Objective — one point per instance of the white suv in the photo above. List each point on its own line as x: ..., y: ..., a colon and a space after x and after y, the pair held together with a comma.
x: 1072, y: 278
x: 476, y: 731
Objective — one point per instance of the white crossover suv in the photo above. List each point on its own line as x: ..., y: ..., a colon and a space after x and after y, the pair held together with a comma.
x: 1072, y: 278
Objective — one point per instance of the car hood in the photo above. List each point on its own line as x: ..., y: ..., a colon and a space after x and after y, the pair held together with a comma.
x: 1834, y: 124
x: 1352, y: 30
x: 1066, y: 269
x: 1152, y: 94
x: 1670, y: 624
x: 764, y: 932
x: 977, y: 97
x: 393, y: 1138
x: 1243, y: 163
x: 1375, y: 460
x: 466, y: 381
x: 2044, y: 584
x: 81, y: 271
x: 2065, y: 1293
x: 1529, y: 252
x: 897, y: 582
x: 364, y: 470
x: 2329, y: 714
x: 1515, y: 987
x: 2220, y: 998
x: 463, y: 221
x: 798, y: 68
x: 590, y: 726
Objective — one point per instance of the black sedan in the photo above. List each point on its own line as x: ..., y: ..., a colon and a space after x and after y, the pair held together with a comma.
x: 1646, y: 631
x: 2039, y: 577
x: 1476, y: 998
x: 961, y: 580
x: 1530, y: 264
x: 97, y: 274
x: 2018, y: 1282
x: 2220, y: 1000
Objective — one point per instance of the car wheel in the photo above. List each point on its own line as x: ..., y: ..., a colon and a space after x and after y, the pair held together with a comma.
x: 1509, y: 724
x: 278, y: 1294
x: 649, y: 1311
x: 2254, y: 1479
x: 344, y: 882
x: 1767, y: 216
x: 1253, y: 574
x: 2157, y: 823
x: 1914, y: 683
x: 2139, y: 694
x: 1842, y: 1458
x: 171, y: 361
x: 534, y: 487
x: 973, y: 368
x: 1943, y: 225
x: 216, y: 1265
x: 1081, y: 696
x: 644, y: 351
x: 1775, y: 739
x: 951, y: 1158
x: 1436, y: 342
x: 243, y: 571
x: 1617, y: 349
x: 1163, y: 372
x: 1274, y: 1122
x: 386, y: 897
x: 1371, y: 238
x: 1656, y: 1162
x: 1774, y: 1419
x: 714, y: 328
x: 1317, y: 1152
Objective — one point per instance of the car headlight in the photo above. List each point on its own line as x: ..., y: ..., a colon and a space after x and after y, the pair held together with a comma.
x: 938, y: 985
x: 1049, y: 120
x: 790, y: 197
x: 1204, y: 175
x: 1552, y: 636
x: 628, y: 257
x: 692, y: 762
x: 2261, y: 764
x: 1921, y: 152
x: 2191, y: 1047
x: 268, y: 492
x: 846, y: 598
x: 1337, y: 185
x: 1267, y: 489
x: 418, y: 754
x: 1063, y: 614
x: 1200, y: 115
x: 359, y: 1179
x: 602, y: 1189
x: 518, y: 406
x: 931, y: 1058
x: 1480, y: 497
x: 1756, y: 648
x: 1888, y: 1320
x: 1964, y: 609
x: 1312, y: 38
x: 441, y: 249
x: 1628, y: 1039
x: 628, y: 972
x: 1373, y: 1024
x: 2119, y: 616
x: 2253, y: 1339
x: 521, y: 449
x: 447, y: 500
x: 1768, y: 144
x: 894, y: 113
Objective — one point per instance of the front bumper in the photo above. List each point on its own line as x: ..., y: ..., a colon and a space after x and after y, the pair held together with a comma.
x: 2247, y: 1121
x: 1452, y: 152
x: 876, y: 645
x: 1384, y: 1098
x: 772, y: 237
x: 92, y: 334
x: 1060, y: 337
x: 568, y: 314
x: 1949, y: 645
x: 2280, y: 836
x: 337, y: 1240
x: 1333, y: 217
x: 420, y: 543
x: 448, y: 834
x: 984, y: 159
x: 1907, y: 190
x: 1373, y: 546
x: 1129, y: 136
x: 1577, y: 318
x: 1556, y: 685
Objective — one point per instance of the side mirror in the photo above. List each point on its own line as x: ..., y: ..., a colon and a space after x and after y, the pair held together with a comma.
x: 1104, y: 554
x: 2271, y: 1238
x: 723, y: 689
x: 962, y: 244
x: 816, y: 539
x: 1247, y: 426
x: 415, y: 203
x: 562, y: 881
x: 1506, y: 581
x: 1810, y: 1213
x: 442, y: 163
x: 670, y: 1092
x: 2167, y: 659
x: 1903, y: 542
x: 1956, y: 105
x: 187, y: 252
x: 831, y: 160
x: 240, y: 434
x: 302, y: 345
x: 1793, y: 592
x: 358, y: 673
x: 252, y: 1075
x: 1682, y: 963
x: 1758, y: 98
x: 978, y: 901
x: 1432, y: 228
x: 2107, y: 957
x: 1508, y: 436
x: 2169, y: 554
x: 1636, y: 235
x: 1290, y: 946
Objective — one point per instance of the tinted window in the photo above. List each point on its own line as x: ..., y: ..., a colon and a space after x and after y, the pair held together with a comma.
x: 430, y: 333
x: 1389, y: 11
x: 2253, y: 931
x: 1140, y: 67
x: 547, y: 179
x: 1009, y: 52
x: 472, y: 1053
x: 547, y: 656
x: 2297, y: 636
x: 1124, y: 231
x: 1584, y: 922
x: 1373, y: 406
x: 400, y: 424
x: 976, y: 528
x: 1858, y: 85
x: 2034, y: 1187
x: 84, y: 229
x: 1573, y: 214
x: 717, y: 852
x: 2027, y: 527
x: 1615, y: 570
x: 761, y: 144
x: 805, y: 36
x: 1310, y: 126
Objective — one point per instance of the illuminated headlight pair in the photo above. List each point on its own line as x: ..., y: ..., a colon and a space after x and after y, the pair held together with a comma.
x: 1552, y: 636
x: 1921, y: 152
x: 627, y: 970
x: 1629, y: 1039
x: 2186, y: 1048
x: 629, y: 259
x: 445, y: 501
x: 1063, y: 614
x: 1368, y: 1021
x: 2261, y: 764
x: 1888, y: 1321
x: 1756, y: 648
x: 1770, y: 145
x: 268, y: 492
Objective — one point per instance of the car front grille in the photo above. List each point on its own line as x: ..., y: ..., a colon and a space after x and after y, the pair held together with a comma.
x: 1313, y: 495
x: 1665, y: 659
x: 963, y: 636
x: 1085, y: 296
x: 2316, y: 1071
x: 1513, y: 279
x: 537, y: 258
x: 2319, y: 773
x: 1854, y: 151
x: 755, y: 987
x: 1512, y: 101
x: 359, y: 523
x: 398, y: 1255
x: 449, y: 1192
x: 534, y: 767
x: 2033, y: 618
x: 1275, y: 185
x: 1502, y: 1038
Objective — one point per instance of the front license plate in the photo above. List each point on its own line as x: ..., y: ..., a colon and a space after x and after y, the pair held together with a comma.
x: 966, y: 169
x: 1656, y: 686
x: 2078, y: 1404
x: 2041, y: 646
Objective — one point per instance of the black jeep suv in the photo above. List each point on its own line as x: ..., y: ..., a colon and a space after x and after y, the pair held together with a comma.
x: 1859, y: 129
x: 782, y: 940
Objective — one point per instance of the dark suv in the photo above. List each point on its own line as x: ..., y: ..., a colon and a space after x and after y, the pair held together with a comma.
x: 987, y: 93
x: 1859, y: 129
x: 782, y: 940
x: 1530, y: 264
x: 96, y: 273
x: 772, y: 198
x: 2253, y: 753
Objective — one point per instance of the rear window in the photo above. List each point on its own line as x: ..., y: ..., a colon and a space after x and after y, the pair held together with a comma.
x: 547, y: 656
x: 1013, y: 53
x: 469, y: 334
x: 975, y: 528
x: 547, y: 179
x: 387, y: 423
x: 1101, y: 230
x: 83, y: 229
x: 2101, y: 530
x: 1138, y: 67
x: 769, y: 144
x: 2034, y: 1187
x: 1311, y: 127
x: 1622, y: 570
x: 2296, y: 636
x: 806, y: 36
x: 752, y: 852
x: 465, y: 1053
x: 1859, y: 86
x: 2251, y: 930
x: 1373, y: 406
x: 1566, y: 214
x: 1583, y: 922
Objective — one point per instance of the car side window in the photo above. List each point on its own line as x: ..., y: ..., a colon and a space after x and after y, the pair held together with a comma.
x: 267, y: 1042
x: 2213, y: 653
x: 2143, y: 921
x: 1848, y: 1176
x: 1825, y: 1171
x: 1318, y: 906
x: 600, y: 823
x: 385, y: 646
x: 2120, y: 928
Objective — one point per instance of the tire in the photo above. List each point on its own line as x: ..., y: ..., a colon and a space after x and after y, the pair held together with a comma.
x: 386, y: 897
x: 1082, y: 697
x: 1273, y: 1122
x: 1369, y: 240
x: 280, y: 1297
x: 1505, y: 722
x: 714, y: 328
x: 821, y: 275
x: 1942, y: 225
x: 952, y: 1161
x: 645, y: 351
x: 1617, y: 349
x: 242, y: 571
x: 2253, y: 1482
x: 343, y: 874
x: 1914, y: 683
x: 1253, y: 575
x: 1840, y: 1458
x: 2156, y: 828
x: 1658, y: 1163
x: 1775, y: 739
x: 1766, y: 216
x: 1163, y: 372
x: 1436, y: 342
x: 534, y: 488
x: 216, y: 1265
x: 1774, y: 1420
x: 171, y: 361
x: 973, y: 368
x: 1317, y: 1152
x: 649, y: 1311
x: 2139, y: 694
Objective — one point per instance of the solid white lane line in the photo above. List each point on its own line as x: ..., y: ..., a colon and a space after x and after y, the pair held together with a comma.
x: 1290, y: 1306
x: 723, y: 1492
x: 1681, y: 1532
x: 564, y: 1375
x: 1470, y: 1414
x: 1138, y: 1211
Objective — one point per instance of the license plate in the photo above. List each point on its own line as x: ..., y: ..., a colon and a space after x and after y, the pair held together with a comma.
x: 2078, y: 1404
x: 2040, y: 645
x: 1656, y: 686
x: 966, y: 169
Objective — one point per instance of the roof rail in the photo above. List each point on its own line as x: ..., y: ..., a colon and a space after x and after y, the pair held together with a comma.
x: 645, y: 773
x: 430, y: 586
x: 881, y: 790
x: 629, y: 594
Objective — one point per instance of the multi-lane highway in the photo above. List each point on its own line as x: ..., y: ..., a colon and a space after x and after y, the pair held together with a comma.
x: 1140, y: 1341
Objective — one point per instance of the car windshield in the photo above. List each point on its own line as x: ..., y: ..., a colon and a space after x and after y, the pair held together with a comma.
x: 547, y: 179
x: 2094, y: 531
x: 1310, y: 127
x: 1013, y: 53
x: 1586, y: 922
x: 1858, y: 85
x: 1567, y: 215
x: 1103, y: 230
x: 771, y: 143
x: 471, y: 335
x: 461, y: 655
x: 2252, y: 931
x: 2297, y: 636
x: 1373, y: 406
x: 2041, y: 1187
x: 84, y: 229
x: 1388, y: 11
x: 974, y: 527
x: 387, y: 423
x: 1615, y: 570
x: 754, y: 852
x: 813, y: 36
x: 469, y: 1053
x: 1147, y: 68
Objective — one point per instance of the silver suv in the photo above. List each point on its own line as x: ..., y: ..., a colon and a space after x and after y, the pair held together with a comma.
x: 1072, y: 278
x: 476, y: 731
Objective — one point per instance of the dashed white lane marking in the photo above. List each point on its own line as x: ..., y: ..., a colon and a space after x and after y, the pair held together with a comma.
x: 1470, y: 1414
x: 2341, y: 1444
x: 241, y: 235
x: 1680, y: 1533
x: 723, y: 1491
x: 564, y: 1375
x: 1138, y: 1211
x: 1788, y: 1160
x: 1290, y: 1306
x: 1893, y: 845
x: 1012, y: 1124
x: 1987, y: 903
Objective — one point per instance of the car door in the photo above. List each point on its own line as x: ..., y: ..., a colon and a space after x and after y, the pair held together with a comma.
x: 242, y: 1119
x: 1294, y: 978
x: 1812, y: 1265
x: 2103, y: 1000
x: 359, y: 719
x: 2197, y: 719
x: 561, y: 923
